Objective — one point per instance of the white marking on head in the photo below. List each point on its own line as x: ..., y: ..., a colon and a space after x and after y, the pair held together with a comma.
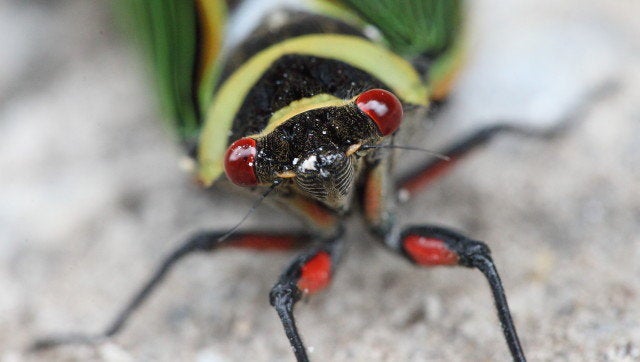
x: 309, y: 163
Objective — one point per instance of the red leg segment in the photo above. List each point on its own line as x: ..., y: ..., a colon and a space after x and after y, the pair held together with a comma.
x: 309, y: 273
x: 428, y: 251
x: 315, y: 274
x: 266, y: 242
x: 378, y: 195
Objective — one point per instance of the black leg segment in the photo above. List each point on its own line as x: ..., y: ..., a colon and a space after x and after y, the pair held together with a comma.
x: 435, y: 246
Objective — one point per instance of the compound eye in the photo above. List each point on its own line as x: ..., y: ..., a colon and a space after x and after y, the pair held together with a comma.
x: 383, y: 107
x: 239, y: 162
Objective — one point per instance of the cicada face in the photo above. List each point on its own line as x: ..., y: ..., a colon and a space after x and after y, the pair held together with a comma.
x: 318, y: 150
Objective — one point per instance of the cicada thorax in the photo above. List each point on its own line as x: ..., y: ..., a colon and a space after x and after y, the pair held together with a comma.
x: 296, y: 114
x: 280, y: 26
x: 291, y: 77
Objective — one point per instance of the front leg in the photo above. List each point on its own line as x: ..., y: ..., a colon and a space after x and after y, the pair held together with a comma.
x: 435, y: 246
x: 308, y: 273
x: 312, y: 270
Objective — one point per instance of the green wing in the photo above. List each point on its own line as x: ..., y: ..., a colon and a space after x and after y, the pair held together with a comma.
x: 181, y: 40
x: 413, y: 27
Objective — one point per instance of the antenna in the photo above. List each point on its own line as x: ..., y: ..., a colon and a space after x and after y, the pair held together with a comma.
x: 410, y: 148
x: 255, y: 205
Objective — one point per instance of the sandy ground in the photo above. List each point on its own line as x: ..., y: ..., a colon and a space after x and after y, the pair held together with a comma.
x: 91, y: 198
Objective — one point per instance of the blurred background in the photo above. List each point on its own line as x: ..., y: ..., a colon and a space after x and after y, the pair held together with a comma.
x: 92, y: 197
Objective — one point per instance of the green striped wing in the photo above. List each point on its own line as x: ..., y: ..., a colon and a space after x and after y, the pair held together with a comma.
x: 181, y: 40
x: 413, y: 27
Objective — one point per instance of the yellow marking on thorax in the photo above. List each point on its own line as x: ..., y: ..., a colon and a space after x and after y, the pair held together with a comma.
x: 300, y: 106
x: 374, y: 59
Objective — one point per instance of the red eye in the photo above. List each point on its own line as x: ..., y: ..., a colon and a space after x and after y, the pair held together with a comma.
x: 383, y: 107
x: 239, y: 162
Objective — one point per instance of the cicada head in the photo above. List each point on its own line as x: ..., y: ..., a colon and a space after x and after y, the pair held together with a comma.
x: 318, y: 150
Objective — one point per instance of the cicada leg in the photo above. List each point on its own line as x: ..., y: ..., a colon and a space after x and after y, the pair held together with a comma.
x: 423, y: 175
x: 205, y: 241
x: 428, y: 246
x: 308, y: 273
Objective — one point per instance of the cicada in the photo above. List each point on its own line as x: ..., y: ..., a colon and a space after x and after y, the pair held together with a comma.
x: 306, y: 109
